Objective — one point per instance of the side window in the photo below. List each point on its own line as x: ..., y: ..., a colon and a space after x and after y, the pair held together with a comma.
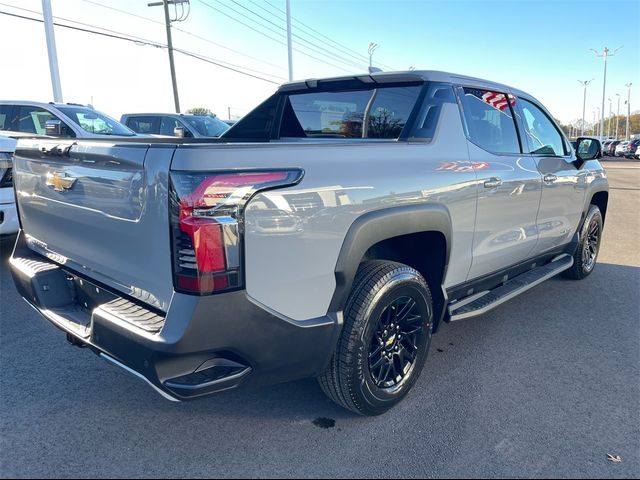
x: 489, y: 119
x: 542, y: 134
x: 5, y: 117
x: 143, y: 124
x: 167, y: 125
x: 33, y: 119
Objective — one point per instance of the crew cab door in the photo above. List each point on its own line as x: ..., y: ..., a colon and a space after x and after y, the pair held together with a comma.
x: 563, y: 184
x: 509, y: 185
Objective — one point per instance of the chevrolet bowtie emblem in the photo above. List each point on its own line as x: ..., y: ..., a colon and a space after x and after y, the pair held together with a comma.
x: 60, y: 182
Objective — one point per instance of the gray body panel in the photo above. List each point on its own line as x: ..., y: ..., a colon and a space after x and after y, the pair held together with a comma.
x: 113, y: 225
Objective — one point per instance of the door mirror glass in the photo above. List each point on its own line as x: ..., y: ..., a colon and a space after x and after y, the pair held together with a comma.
x: 53, y: 128
x: 178, y: 132
x: 588, y: 149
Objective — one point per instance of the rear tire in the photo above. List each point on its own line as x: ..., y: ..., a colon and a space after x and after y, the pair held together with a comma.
x: 586, y: 255
x: 385, y: 339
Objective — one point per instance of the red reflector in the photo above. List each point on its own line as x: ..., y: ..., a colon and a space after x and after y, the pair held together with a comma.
x: 206, y: 238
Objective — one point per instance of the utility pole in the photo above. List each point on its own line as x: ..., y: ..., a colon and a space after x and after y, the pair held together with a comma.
x: 605, y: 54
x: 168, y: 21
x: 609, y: 122
x: 372, y: 48
x: 617, y: 115
x: 584, y: 83
x: 628, y: 85
x: 289, y: 46
x: 51, y: 48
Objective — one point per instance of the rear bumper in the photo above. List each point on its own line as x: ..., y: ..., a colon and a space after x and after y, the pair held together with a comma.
x: 202, y: 345
x: 8, y: 213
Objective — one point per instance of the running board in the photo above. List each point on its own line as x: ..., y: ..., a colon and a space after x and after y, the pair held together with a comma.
x: 509, y: 289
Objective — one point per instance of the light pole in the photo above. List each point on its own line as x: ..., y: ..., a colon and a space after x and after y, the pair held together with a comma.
x: 372, y: 48
x: 289, y: 47
x: 617, y: 115
x: 628, y: 85
x: 168, y: 20
x: 600, y: 122
x: 584, y: 83
x: 605, y: 54
x: 609, y: 122
x: 51, y: 48
x: 593, y: 126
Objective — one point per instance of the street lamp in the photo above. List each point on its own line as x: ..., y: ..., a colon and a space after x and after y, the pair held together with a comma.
x: 584, y: 83
x: 609, y: 122
x: 605, y: 54
x: 628, y: 85
x: 617, y: 115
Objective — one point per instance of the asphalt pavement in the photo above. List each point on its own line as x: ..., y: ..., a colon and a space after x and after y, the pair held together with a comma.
x: 544, y: 386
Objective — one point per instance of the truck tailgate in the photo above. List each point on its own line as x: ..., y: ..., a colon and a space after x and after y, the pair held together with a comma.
x: 101, y: 209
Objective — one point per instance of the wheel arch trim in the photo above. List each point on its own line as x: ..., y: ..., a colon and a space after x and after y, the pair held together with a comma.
x: 379, y: 225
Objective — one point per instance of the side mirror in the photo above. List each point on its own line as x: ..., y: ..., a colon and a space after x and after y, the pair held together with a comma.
x: 53, y: 127
x: 588, y: 149
x: 178, y: 132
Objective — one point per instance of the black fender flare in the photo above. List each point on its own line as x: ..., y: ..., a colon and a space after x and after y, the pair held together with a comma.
x: 378, y: 225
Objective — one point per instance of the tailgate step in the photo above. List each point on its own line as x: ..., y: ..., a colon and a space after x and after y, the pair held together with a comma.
x: 510, y: 289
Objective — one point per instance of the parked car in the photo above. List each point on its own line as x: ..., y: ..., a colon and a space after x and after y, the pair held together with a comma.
x: 630, y: 149
x: 605, y: 147
x: 329, y: 233
x: 637, y: 155
x: 620, y: 148
x: 8, y: 214
x: 175, y: 124
x: 611, y: 148
x: 66, y: 120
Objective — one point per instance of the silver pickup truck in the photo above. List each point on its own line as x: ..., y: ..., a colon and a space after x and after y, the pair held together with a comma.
x: 327, y: 234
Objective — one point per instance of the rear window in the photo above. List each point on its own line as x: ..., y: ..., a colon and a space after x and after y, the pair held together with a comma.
x: 380, y: 113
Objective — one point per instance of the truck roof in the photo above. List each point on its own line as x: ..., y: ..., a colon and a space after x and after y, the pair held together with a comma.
x: 404, y: 76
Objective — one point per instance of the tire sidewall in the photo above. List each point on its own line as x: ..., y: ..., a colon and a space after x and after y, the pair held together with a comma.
x: 594, y: 213
x: 403, y: 282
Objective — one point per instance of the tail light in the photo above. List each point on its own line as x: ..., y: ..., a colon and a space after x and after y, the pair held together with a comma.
x: 207, y: 225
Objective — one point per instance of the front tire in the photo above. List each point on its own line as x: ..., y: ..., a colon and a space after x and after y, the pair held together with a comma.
x: 586, y: 255
x: 385, y: 339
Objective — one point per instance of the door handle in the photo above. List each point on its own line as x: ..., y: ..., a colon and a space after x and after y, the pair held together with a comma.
x: 493, y: 182
x: 550, y: 178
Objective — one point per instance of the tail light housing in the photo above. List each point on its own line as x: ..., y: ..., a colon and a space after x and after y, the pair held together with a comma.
x: 207, y: 225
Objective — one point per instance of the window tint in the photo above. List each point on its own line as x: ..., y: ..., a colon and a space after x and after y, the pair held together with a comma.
x: 543, y: 136
x: 144, y: 124
x: 33, y: 119
x: 207, y: 126
x: 489, y: 120
x: 372, y: 113
x: 167, y: 125
x: 5, y: 117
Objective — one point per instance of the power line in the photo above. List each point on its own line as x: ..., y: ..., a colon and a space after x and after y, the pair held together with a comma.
x: 139, y: 41
x: 358, y: 54
x: 199, y: 37
x: 270, y: 37
x: 317, y: 47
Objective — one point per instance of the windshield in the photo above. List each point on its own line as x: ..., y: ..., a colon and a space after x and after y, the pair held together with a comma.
x: 95, y: 122
x: 207, y: 126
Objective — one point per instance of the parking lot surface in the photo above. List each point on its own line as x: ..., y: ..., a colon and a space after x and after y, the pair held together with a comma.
x: 546, y: 385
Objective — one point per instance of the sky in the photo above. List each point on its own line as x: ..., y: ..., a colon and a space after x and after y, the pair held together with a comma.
x: 541, y: 47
